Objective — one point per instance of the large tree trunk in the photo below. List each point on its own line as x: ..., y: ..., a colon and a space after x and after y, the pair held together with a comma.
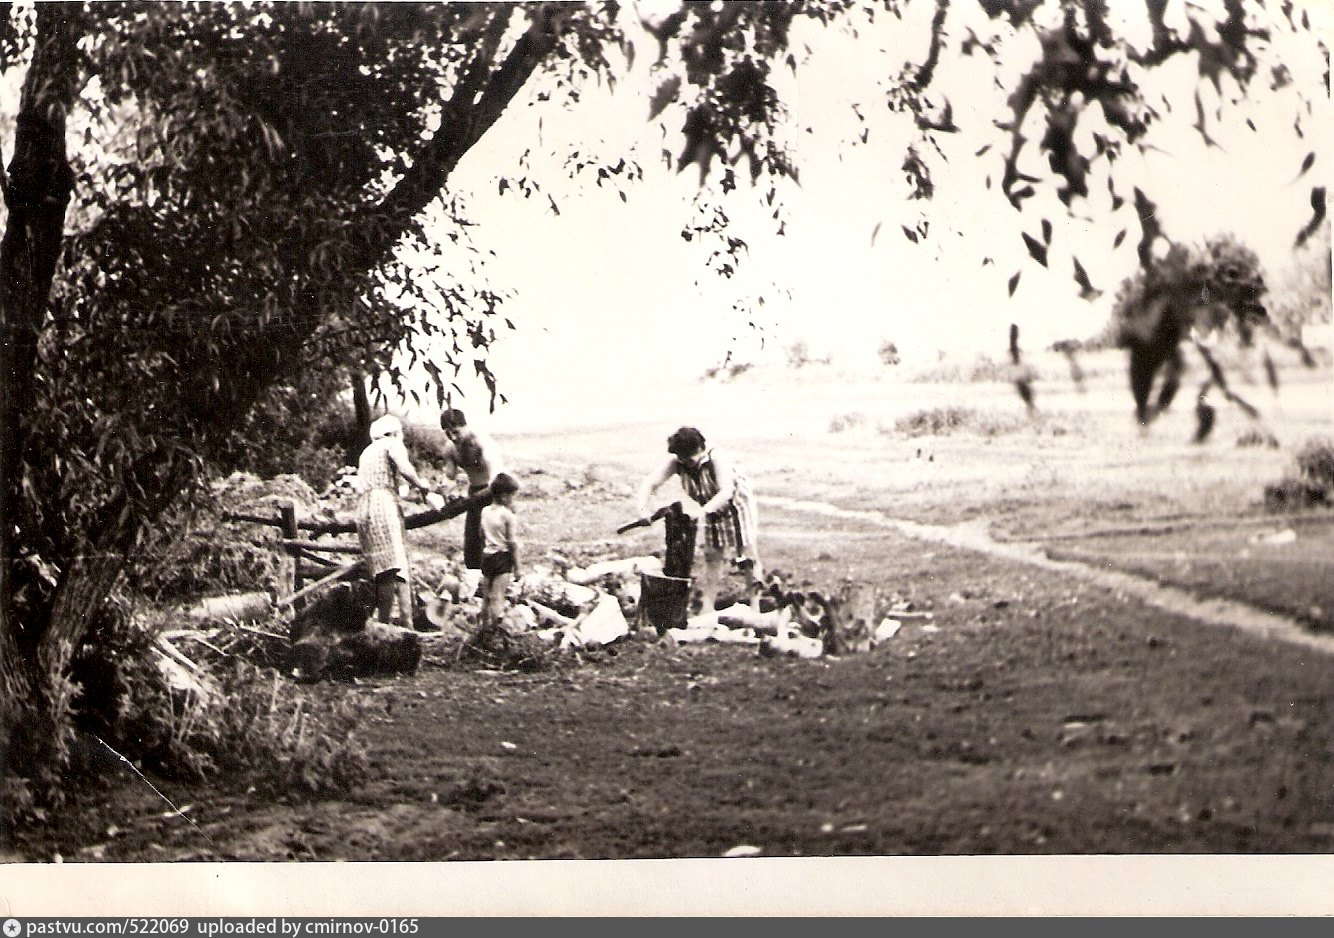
x: 37, y: 191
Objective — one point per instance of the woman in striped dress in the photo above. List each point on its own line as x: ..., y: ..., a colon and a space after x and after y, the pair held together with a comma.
x: 719, y: 493
x: 380, y: 518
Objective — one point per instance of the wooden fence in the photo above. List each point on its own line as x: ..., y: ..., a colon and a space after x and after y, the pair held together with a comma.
x: 312, y: 567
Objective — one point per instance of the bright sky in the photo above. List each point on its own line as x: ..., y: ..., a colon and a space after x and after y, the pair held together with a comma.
x: 610, y: 301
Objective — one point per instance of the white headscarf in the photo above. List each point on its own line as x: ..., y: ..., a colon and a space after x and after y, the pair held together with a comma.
x: 385, y: 426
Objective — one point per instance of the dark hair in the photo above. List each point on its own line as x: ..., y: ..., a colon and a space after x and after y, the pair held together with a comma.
x: 504, y: 484
x: 685, y: 442
x: 452, y: 419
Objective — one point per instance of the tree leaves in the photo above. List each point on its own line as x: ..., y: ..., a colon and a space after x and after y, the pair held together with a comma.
x: 667, y: 92
x: 1036, y: 249
x: 1150, y: 230
x: 1317, y: 216
x: 1086, y: 289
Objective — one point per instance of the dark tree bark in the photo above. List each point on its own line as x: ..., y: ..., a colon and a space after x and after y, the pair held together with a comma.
x: 37, y: 189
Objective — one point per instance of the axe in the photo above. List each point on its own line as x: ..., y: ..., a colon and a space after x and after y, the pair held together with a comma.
x: 658, y: 515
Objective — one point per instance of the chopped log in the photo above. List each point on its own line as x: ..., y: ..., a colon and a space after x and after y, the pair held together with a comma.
x: 763, y: 623
x: 454, y: 507
x: 341, y: 573
x: 320, y: 545
x: 680, y: 555
x: 239, y: 606
x: 850, y: 623
x: 378, y: 648
x: 317, y: 559
x: 551, y: 616
x: 628, y: 566
x: 343, y: 608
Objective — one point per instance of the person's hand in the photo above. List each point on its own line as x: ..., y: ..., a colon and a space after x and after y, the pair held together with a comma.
x: 435, y: 500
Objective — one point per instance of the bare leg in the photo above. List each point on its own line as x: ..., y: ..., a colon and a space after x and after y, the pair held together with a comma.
x: 385, y: 591
x: 405, y: 604
x: 493, y: 606
x: 708, y: 589
x: 755, y: 575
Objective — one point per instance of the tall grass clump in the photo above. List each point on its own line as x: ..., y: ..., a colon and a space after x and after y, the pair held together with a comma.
x: 233, y: 720
x: 940, y: 421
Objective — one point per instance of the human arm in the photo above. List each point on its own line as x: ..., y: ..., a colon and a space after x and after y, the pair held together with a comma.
x: 398, y: 455
x: 654, y: 481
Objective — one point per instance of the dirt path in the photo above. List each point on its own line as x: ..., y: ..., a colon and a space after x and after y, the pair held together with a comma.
x: 976, y: 535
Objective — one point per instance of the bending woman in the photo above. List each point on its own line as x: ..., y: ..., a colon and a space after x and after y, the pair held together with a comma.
x: 380, y: 518
x: 720, y: 494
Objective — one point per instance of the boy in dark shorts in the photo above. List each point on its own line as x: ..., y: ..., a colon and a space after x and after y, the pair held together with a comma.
x: 500, y: 547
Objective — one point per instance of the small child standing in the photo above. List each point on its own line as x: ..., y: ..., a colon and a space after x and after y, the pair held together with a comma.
x: 500, y: 547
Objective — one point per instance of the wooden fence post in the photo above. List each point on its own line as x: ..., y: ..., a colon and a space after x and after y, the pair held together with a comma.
x: 290, y: 533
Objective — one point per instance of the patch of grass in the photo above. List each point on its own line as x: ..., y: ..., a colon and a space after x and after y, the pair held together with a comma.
x: 846, y: 422
x: 941, y: 421
x: 1259, y: 438
x: 981, y: 369
x: 267, y: 734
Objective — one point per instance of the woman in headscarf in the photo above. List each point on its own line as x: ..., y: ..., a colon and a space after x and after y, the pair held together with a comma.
x: 380, y: 517
x: 720, y: 494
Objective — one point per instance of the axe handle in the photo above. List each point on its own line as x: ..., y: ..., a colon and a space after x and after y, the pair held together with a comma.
x: 645, y: 522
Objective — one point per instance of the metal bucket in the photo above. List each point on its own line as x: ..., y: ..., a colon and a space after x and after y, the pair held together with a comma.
x: 664, y: 602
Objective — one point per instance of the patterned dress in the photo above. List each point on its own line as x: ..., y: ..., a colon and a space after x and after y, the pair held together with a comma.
x: 732, y: 526
x: 379, y: 516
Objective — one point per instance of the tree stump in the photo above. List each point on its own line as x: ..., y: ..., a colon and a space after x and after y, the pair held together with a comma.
x: 332, y: 638
x: 680, y: 555
x: 849, y: 626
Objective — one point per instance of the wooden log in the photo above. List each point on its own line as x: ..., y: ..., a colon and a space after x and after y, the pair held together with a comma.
x: 289, y: 531
x: 342, y: 572
x: 376, y: 649
x: 454, y: 507
x: 850, y: 622
x: 321, y: 546
x: 551, y: 616
x: 680, y: 554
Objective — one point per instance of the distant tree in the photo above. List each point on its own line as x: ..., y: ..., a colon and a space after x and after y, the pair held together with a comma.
x: 798, y: 354
x: 245, y: 204
x: 1183, y: 297
x: 1302, y: 296
x: 889, y: 353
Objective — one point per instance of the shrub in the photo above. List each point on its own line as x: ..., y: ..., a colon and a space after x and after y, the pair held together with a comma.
x: 934, y: 421
x: 846, y: 422
x: 1315, y: 462
x: 294, y: 432
x: 247, y: 722
x: 192, y: 552
x: 981, y: 369
x: 798, y: 354
x: 889, y: 353
x: 1254, y: 437
x: 939, y: 421
x: 427, y: 446
x: 271, y: 737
